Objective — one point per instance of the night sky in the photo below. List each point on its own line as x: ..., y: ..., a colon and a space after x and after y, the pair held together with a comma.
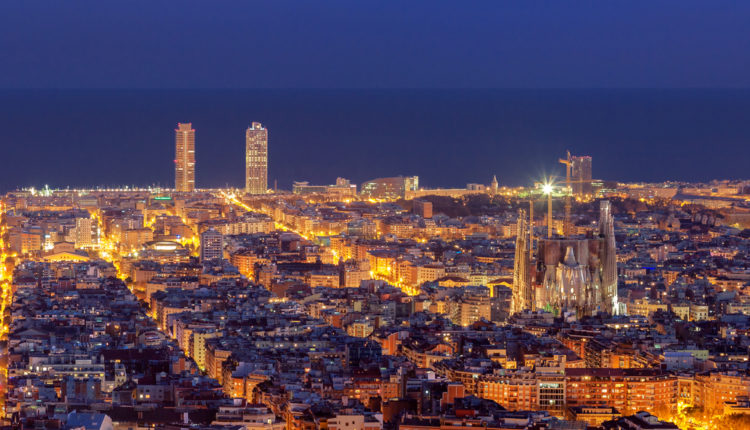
x: 374, y: 44
x: 656, y: 90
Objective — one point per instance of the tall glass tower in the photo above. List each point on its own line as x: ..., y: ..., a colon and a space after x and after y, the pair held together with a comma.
x: 184, y: 160
x: 256, y: 159
x: 581, y: 171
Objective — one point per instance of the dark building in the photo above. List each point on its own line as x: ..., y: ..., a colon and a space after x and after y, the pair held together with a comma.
x: 581, y: 175
x: 423, y: 208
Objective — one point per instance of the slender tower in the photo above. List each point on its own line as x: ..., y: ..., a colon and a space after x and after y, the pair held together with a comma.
x: 184, y: 160
x: 531, y: 227
x: 522, y: 296
x: 608, y: 259
x: 256, y: 159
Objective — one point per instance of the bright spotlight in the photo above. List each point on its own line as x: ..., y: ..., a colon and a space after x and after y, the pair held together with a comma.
x: 547, y: 188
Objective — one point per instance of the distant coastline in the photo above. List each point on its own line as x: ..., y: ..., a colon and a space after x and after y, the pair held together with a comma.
x: 447, y: 137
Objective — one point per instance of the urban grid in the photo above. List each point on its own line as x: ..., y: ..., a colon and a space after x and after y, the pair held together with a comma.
x: 567, y: 304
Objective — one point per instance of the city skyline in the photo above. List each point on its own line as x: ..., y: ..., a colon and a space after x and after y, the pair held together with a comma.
x: 392, y: 277
x: 521, y: 215
x: 509, y: 134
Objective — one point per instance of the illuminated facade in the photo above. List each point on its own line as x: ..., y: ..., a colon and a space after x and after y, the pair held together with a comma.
x: 608, y: 259
x: 579, y: 274
x: 515, y: 390
x: 343, y: 188
x: 627, y: 390
x: 184, y: 174
x: 570, y: 274
x: 84, y: 236
x: 389, y: 188
x: 714, y: 389
x: 256, y: 159
x: 523, y: 297
x: 472, y: 306
x: 211, y: 245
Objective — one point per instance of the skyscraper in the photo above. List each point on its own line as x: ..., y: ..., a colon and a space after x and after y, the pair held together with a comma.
x: 256, y: 159
x: 211, y: 245
x: 184, y: 161
x: 581, y: 175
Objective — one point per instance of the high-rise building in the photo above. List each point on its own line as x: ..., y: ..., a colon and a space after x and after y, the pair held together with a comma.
x: 256, y: 159
x: 211, y: 245
x: 184, y: 162
x: 581, y: 175
x: 83, y: 236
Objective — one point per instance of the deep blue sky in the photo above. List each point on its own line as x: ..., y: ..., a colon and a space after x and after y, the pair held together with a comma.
x: 374, y: 44
x: 447, y: 137
x: 105, y: 131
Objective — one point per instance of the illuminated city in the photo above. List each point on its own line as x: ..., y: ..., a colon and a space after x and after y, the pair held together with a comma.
x: 227, y: 294
x: 367, y: 265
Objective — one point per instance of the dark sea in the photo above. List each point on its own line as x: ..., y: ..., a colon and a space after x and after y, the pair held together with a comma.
x: 82, y: 138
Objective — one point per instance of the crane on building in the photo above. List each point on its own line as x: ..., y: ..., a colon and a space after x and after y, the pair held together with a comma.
x: 568, y: 162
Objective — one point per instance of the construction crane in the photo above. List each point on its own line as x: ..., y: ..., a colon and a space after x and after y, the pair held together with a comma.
x: 568, y: 162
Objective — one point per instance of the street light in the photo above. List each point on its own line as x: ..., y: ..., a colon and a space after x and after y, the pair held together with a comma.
x: 547, y: 188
